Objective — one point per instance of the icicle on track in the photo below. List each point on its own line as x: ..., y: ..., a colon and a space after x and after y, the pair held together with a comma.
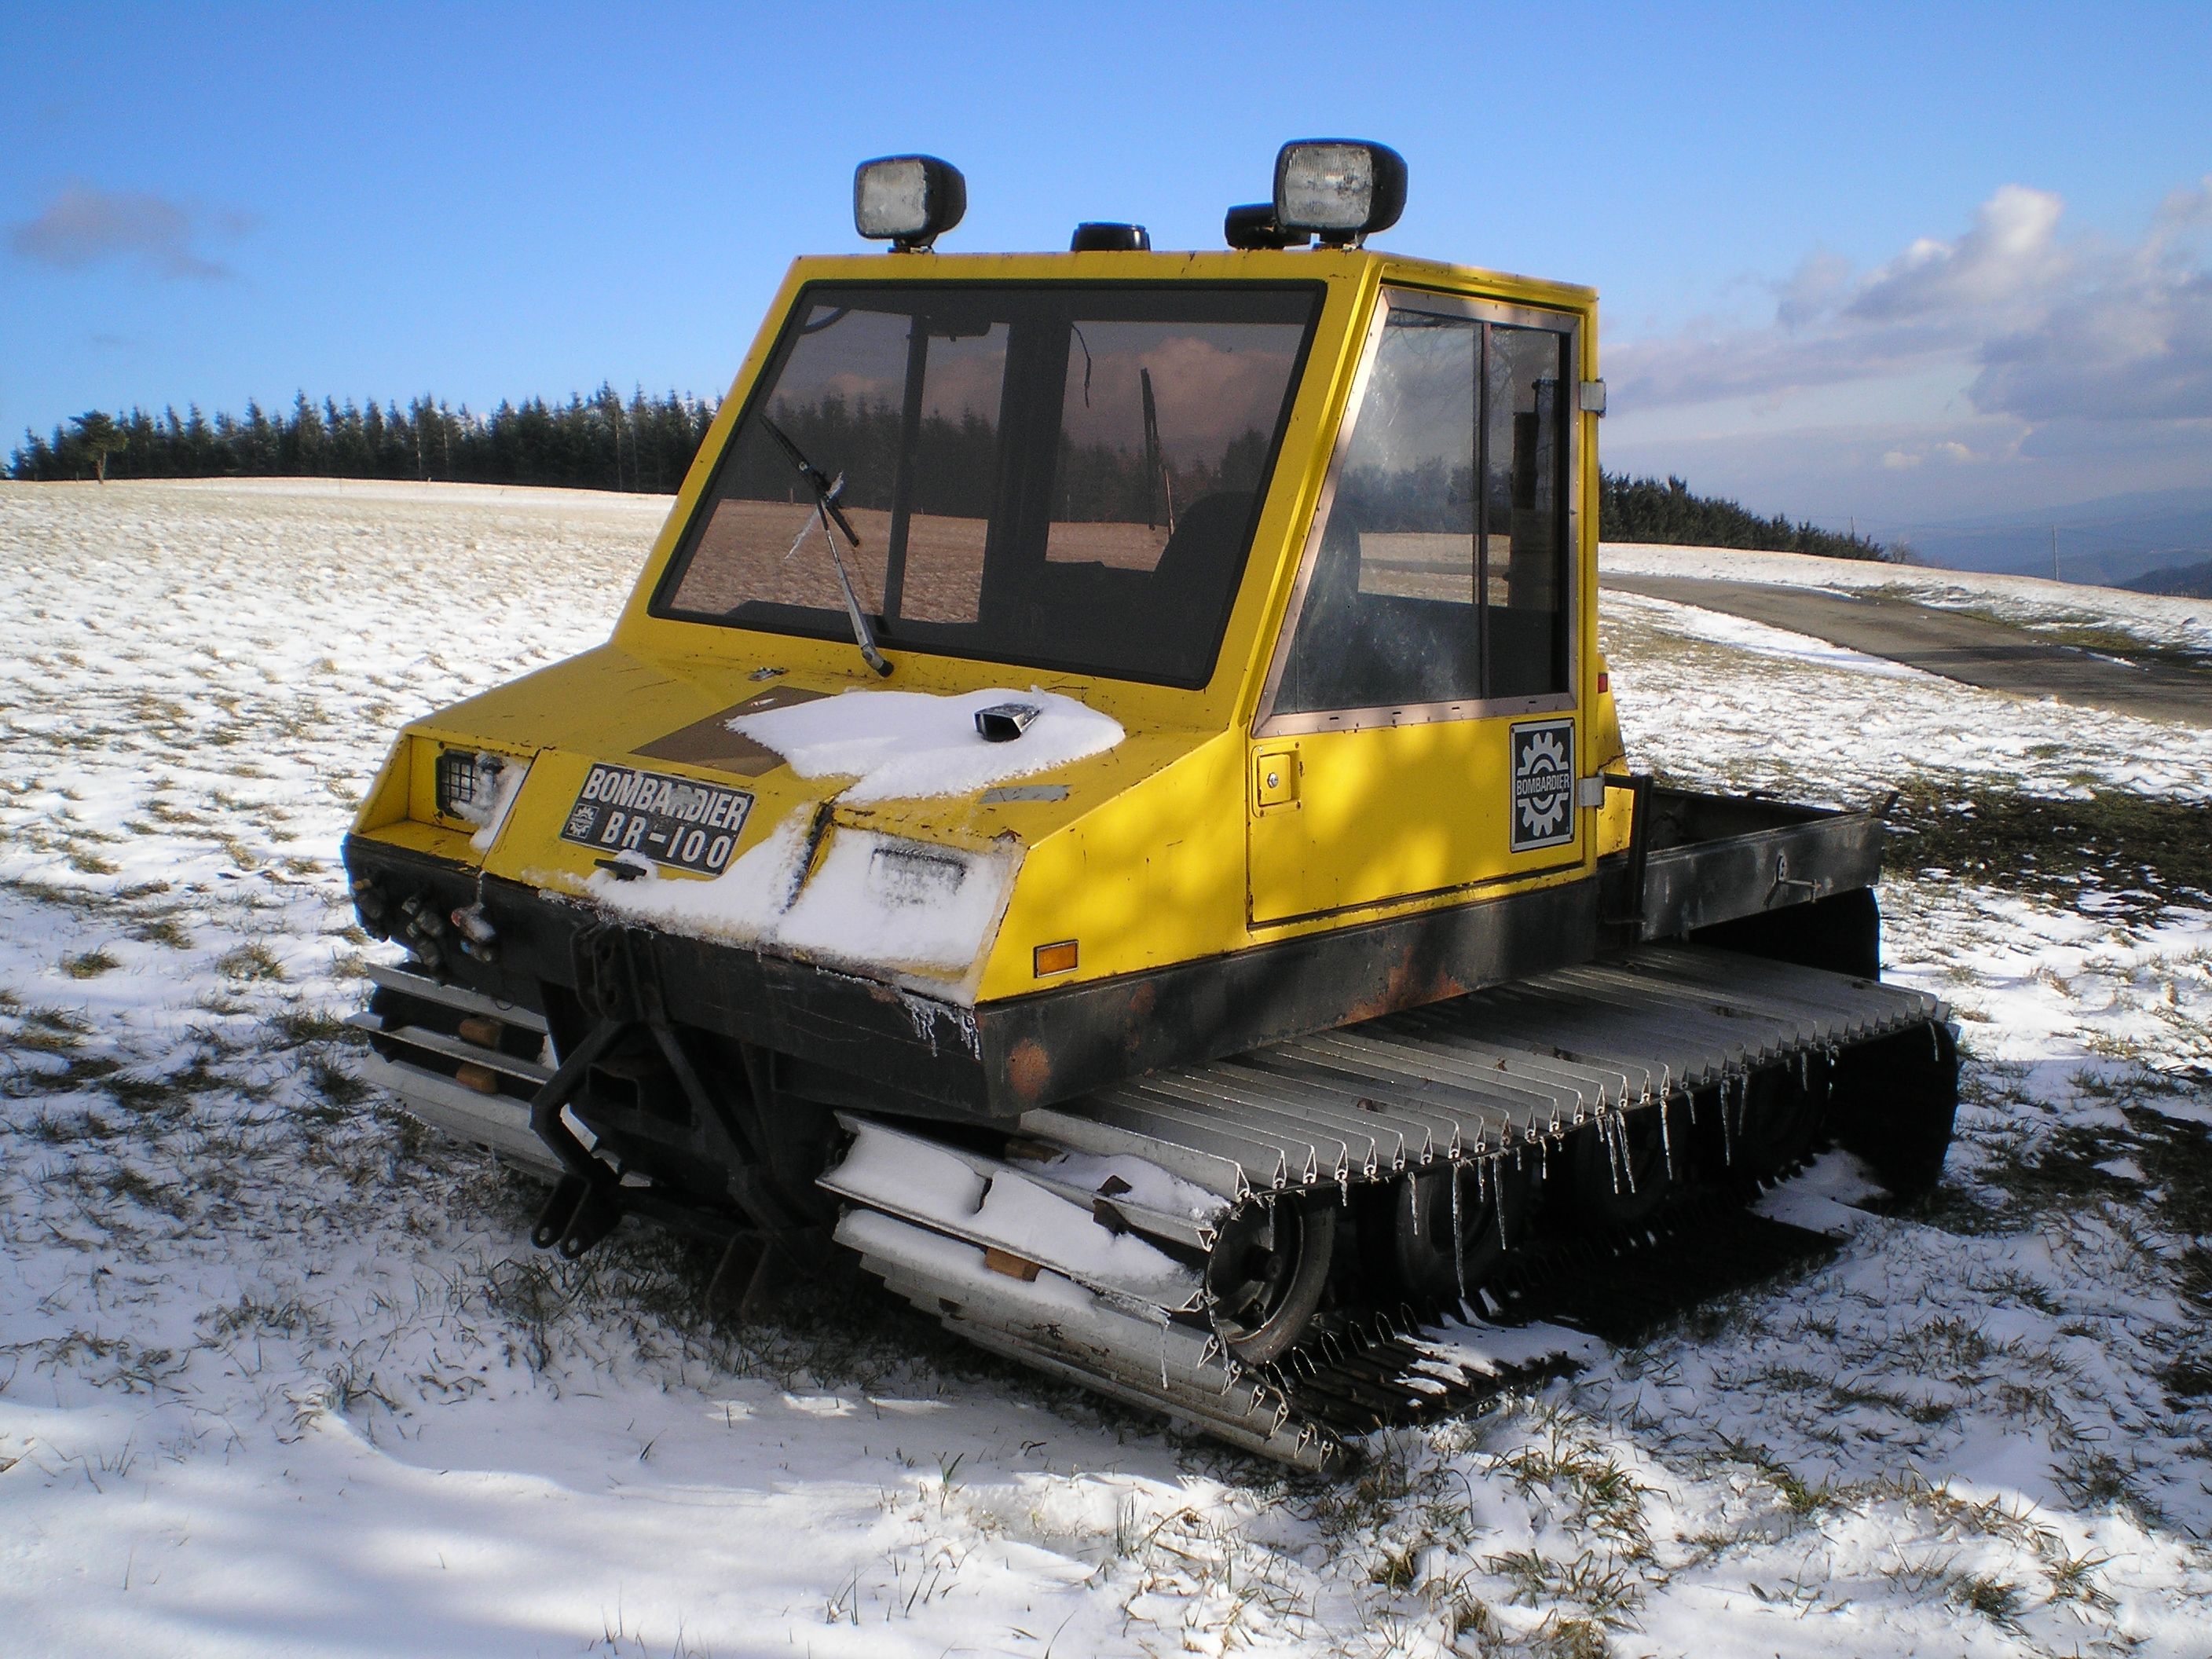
x: 1094, y: 1282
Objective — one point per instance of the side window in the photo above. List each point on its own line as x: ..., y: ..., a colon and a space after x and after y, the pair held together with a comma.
x: 1389, y: 615
x: 1428, y: 588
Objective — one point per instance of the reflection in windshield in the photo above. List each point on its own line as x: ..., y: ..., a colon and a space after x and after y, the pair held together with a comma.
x: 1057, y: 475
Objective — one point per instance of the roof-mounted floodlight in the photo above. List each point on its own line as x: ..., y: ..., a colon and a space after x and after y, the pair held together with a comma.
x: 908, y: 201
x: 1253, y: 226
x: 1340, y: 189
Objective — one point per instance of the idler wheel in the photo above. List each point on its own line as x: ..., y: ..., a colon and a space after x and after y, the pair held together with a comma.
x: 1440, y: 1258
x: 1266, y: 1276
x: 1617, y: 1172
x: 1895, y: 1103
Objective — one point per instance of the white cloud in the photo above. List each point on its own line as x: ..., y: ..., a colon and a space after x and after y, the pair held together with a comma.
x: 2015, y: 342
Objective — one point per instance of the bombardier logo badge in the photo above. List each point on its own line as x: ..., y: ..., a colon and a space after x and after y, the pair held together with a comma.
x: 1543, y: 784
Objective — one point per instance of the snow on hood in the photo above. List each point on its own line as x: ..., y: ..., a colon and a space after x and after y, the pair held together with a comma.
x: 908, y: 746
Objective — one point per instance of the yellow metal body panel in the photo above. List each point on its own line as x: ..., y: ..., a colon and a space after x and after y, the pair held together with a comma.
x: 1402, y: 812
x: 1145, y: 861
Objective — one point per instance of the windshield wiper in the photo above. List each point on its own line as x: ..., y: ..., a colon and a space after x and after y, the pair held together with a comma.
x: 826, y: 491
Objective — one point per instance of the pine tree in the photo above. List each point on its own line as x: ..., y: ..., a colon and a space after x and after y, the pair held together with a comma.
x: 97, y: 433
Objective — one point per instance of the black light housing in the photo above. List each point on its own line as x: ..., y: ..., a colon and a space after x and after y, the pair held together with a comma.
x: 1100, y: 236
x: 1342, y: 189
x: 908, y: 201
x: 1253, y: 226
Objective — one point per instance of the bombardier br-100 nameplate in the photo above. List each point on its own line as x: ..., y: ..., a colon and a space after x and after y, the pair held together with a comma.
x: 671, y: 820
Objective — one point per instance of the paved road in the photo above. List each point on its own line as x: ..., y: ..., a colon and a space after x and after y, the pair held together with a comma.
x: 1973, y: 649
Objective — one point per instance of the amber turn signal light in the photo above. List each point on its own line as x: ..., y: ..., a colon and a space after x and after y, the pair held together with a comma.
x: 1055, y: 958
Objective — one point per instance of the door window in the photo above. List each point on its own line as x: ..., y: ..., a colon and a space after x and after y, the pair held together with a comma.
x: 1524, y: 511
x: 1424, y: 588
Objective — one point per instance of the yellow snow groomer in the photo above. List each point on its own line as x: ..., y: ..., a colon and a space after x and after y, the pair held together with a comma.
x: 1105, y: 802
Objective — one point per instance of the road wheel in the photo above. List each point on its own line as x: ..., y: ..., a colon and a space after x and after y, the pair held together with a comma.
x: 1439, y: 1258
x: 1773, y: 1121
x: 1617, y: 1170
x: 1265, y: 1279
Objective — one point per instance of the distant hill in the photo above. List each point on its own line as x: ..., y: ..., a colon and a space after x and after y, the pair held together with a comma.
x: 2188, y: 582
x: 2109, y: 541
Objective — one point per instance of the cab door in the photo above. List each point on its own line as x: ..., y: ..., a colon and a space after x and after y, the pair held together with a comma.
x: 1418, y: 734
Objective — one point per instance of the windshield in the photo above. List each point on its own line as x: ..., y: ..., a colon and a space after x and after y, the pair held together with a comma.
x: 1061, y: 476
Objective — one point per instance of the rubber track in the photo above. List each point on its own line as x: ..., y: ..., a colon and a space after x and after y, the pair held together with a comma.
x: 1362, y: 1375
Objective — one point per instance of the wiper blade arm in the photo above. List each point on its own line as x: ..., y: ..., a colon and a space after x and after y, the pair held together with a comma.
x: 826, y: 491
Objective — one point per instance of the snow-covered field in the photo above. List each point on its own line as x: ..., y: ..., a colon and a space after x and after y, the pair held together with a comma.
x: 2062, y: 609
x: 278, y: 1375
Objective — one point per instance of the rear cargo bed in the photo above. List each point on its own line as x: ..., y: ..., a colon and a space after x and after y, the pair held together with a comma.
x: 1713, y: 859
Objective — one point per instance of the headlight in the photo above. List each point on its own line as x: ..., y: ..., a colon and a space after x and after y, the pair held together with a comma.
x: 884, y: 901
x: 468, y: 784
x: 479, y: 787
x: 911, y: 876
x: 1342, y: 188
x: 908, y: 201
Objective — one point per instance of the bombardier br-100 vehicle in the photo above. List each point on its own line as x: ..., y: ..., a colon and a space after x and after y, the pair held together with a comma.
x: 1106, y: 804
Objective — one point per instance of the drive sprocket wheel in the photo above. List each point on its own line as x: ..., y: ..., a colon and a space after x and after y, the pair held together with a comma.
x: 1265, y: 1278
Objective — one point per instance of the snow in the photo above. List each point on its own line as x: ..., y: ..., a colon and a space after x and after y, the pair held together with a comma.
x: 1015, y: 1214
x: 1815, y: 721
x: 278, y: 1374
x: 2031, y: 601
x: 493, y: 817
x: 897, y: 745
x: 1138, y: 1181
x: 875, y: 900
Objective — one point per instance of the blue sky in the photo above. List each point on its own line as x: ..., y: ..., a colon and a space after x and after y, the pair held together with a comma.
x: 1881, y: 263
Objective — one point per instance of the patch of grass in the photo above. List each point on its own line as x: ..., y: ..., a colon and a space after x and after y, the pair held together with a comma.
x: 1398, y: 1569
x: 2088, y: 632
x: 2134, y: 855
x: 2070, y: 1577
x: 1993, y: 1598
x: 1566, y: 1638
x: 47, y: 892
x: 338, y: 1087
x: 1926, y: 1413
x: 90, y: 965
x: 92, y: 864
x: 1608, y: 1592
x: 251, y: 1317
x: 1798, y: 1497
x: 169, y: 1197
x: 2097, y: 1479
x: 2056, y: 1172
x: 1601, y: 1494
x: 162, y: 930
x: 2177, y: 1160
x: 51, y: 1032
x: 81, y: 1069
x: 298, y: 1025
x: 250, y: 962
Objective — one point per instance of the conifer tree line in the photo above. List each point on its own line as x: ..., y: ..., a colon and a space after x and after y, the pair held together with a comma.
x: 599, y: 442
x: 645, y: 445
x: 1646, y: 510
